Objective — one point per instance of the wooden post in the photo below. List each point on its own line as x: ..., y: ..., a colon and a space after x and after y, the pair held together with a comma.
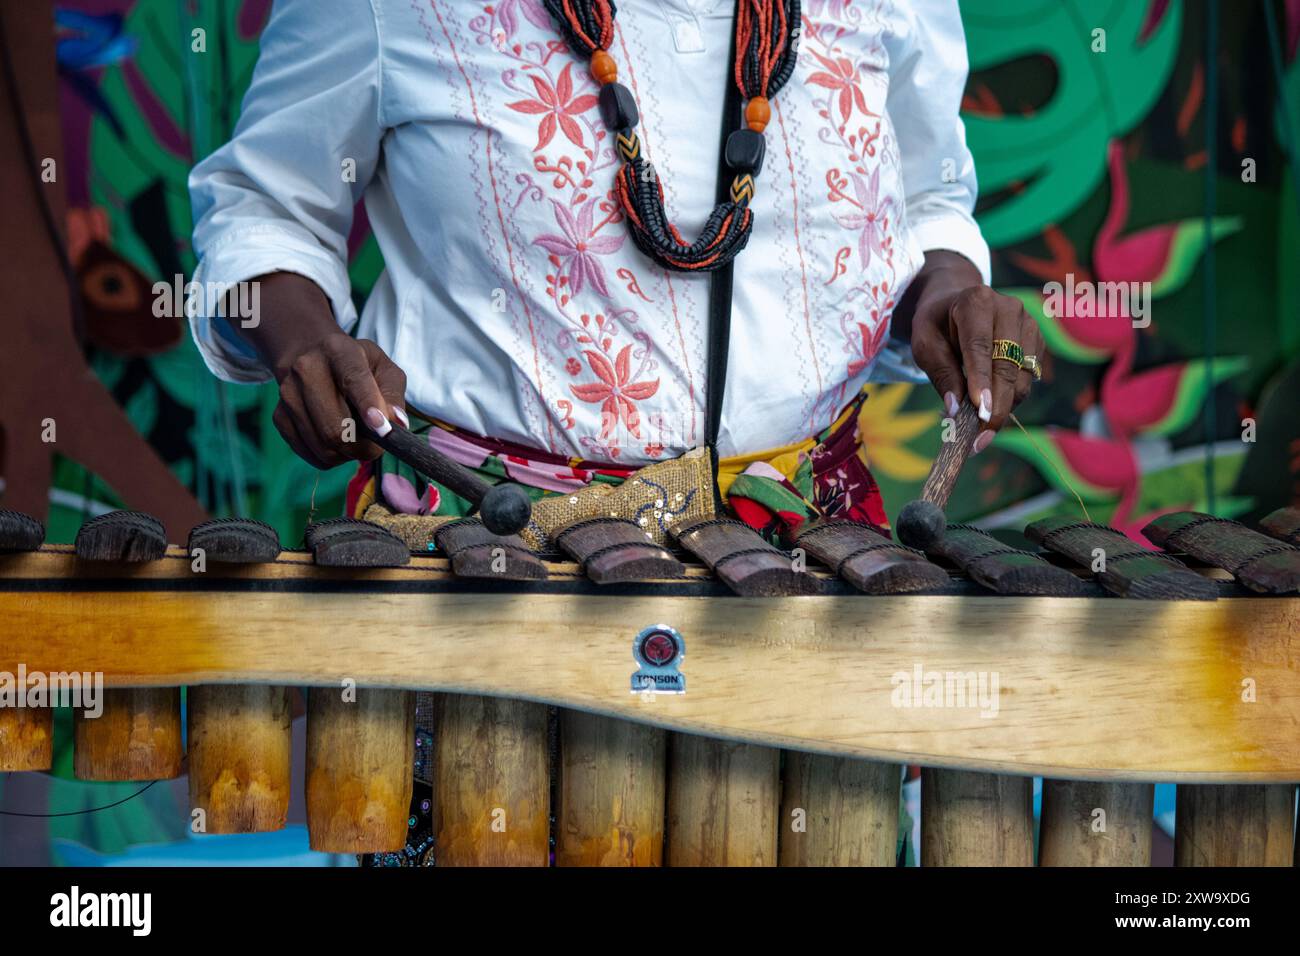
x: 26, y: 738
x: 1234, y: 825
x: 491, y: 782
x: 722, y: 802
x: 137, y: 737
x: 837, y: 811
x: 1075, y: 833
x: 240, y: 745
x: 360, y: 760
x: 612, y: 792
x: 976, y: 819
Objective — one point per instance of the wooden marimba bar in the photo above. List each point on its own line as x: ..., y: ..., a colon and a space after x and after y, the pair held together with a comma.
x: 806, y: 690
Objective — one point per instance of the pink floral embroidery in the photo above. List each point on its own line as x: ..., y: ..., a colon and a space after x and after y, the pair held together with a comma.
x: 870, y: 218
x: 508, y: 12
x: 614, y: 392
x: 556, y: 104
x: 574, y: 252
x: 841, y: 75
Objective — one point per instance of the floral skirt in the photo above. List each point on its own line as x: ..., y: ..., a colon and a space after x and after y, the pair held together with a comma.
x: 774, y: 491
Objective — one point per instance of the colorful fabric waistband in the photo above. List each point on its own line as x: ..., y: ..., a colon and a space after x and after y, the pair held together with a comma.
x: 774, y: 491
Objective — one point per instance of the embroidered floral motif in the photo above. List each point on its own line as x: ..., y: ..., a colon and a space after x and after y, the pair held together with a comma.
x: 870, y: 217
x: 614, y: 392
x: 842, y: 76
x: 855, y: 131
x: 575, y: 159
x: 508, y: 13
x: 574, y: 252
x: 557, y: 106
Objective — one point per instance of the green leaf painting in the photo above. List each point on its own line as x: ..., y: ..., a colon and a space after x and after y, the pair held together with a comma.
x: 1052, y: 160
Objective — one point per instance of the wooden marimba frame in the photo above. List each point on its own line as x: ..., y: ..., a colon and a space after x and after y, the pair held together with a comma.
x: 786, y: 748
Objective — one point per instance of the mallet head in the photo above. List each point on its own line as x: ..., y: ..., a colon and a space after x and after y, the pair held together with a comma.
x: 506, y: 509
x: 920, y: 524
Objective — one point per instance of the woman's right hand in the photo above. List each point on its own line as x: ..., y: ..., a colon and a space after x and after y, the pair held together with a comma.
x: 326, y: 377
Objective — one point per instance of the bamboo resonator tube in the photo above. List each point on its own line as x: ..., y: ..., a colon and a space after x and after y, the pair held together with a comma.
x: 1090, y: 823
x: 26, y: 738
x: 723, y: 801
x: 137, y: 737
x: 611, y: 792
x: 491, y: 782
x: 240, y: 745
x: 976, y: 819
x: 360, y: 751
x: 1234, y: 825
x: 836, y: 811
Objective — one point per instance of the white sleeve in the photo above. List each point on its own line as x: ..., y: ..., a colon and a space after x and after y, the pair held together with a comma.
x: 927, y: 78
x: 279, y: 196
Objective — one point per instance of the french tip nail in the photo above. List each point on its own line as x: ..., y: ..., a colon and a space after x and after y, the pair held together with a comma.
x: 982, y: 441
x: 378, y: 423
x: 986, y: 405
x: 950, y: 403
x: 400, y: 414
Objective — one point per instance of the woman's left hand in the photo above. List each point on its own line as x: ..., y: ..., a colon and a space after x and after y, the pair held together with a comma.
x: 955, y: 321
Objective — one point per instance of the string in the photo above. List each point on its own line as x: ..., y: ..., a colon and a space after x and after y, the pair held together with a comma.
x: 1042, y: 454
x: 77, y: 813
x: 311, y: 507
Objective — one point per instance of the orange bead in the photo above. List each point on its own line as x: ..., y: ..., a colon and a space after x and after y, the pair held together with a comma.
x: 757, y: 114
x: 603, y: 68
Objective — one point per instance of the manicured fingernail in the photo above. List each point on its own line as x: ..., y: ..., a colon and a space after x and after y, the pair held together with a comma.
x: 986, y: 405
x: 378, y: 423
x: 950, y: 403
x: 982, y: 442
x: 400, y: 413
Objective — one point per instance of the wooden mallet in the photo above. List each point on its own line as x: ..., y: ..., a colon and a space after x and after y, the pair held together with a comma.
x: 504, y: 508
x: 922, y: 522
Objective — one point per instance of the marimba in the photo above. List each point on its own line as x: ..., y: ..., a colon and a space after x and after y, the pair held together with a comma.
x: 810, y: 676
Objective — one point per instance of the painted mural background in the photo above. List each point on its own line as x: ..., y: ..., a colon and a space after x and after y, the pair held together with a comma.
x: 1100, y: 165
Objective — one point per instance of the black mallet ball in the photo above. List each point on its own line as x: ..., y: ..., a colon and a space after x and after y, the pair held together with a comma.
x: 506, y: 509
x: 920, y: 524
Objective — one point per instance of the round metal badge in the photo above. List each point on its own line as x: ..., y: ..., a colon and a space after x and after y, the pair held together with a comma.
x: 658, y: 651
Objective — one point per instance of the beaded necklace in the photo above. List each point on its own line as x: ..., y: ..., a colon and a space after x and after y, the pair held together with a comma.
x: 765, y: 53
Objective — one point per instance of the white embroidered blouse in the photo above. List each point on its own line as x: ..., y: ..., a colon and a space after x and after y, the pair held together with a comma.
x: 513, y: 297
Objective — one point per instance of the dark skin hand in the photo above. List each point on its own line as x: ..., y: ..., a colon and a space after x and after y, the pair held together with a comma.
x: 952, y: 318
x: 323, y: 373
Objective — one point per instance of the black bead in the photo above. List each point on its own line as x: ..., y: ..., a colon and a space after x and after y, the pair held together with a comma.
x: 745, y: 150
x: 618, y: 107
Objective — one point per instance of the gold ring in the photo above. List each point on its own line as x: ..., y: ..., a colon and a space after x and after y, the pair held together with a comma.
x: 1034, y: 367
x: 1009, y: 351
